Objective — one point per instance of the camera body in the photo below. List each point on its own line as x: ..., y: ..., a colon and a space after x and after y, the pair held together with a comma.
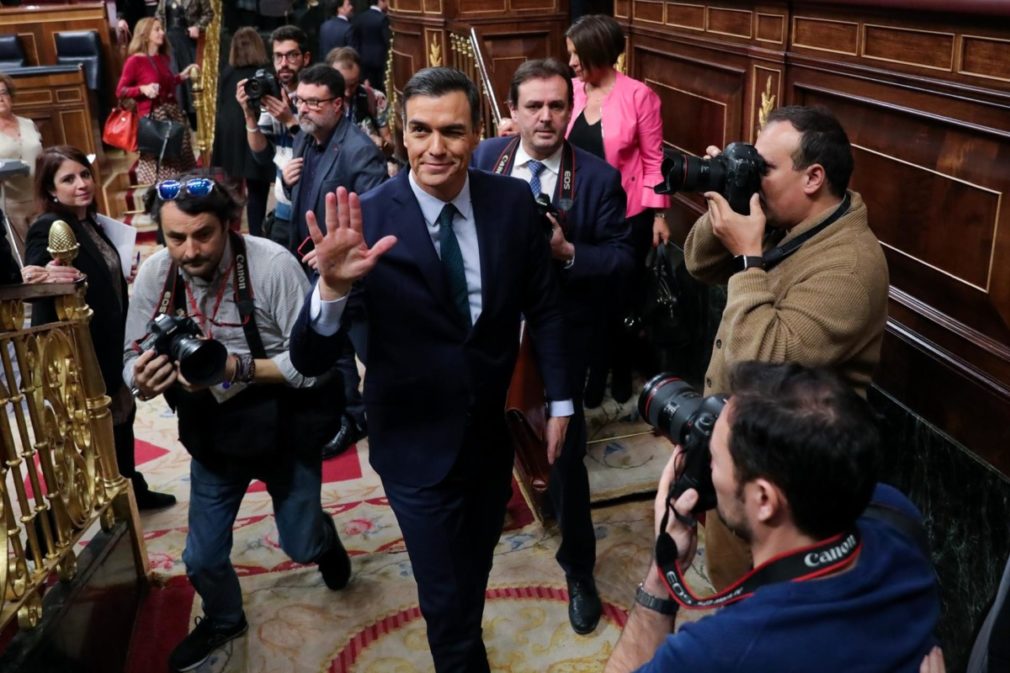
x: 545, y: 207
x: 201, y: 361
x: 677, y: 410
x: 262, y: 83
x: 736, y: 174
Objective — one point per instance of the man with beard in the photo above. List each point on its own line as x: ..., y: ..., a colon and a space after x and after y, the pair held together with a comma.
x: 840, y: 559
x: 274, y: 122
x: 806, y: 278
x: 591, y: 248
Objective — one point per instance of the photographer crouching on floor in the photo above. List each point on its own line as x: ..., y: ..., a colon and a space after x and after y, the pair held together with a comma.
x: 208, y: 327
x: 841, y: 579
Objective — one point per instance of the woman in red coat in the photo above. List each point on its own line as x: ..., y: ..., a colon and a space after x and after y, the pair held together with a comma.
x: 148, y: 78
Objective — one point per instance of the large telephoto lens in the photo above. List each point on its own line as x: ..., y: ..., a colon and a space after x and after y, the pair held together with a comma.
x: 686, y: 173
x: 667, y: 403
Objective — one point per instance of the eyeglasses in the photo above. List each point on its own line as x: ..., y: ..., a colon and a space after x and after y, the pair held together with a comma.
x: 4, y: 93
x: 291, y: 57
x: 315, y: 104
x: 169, y: 190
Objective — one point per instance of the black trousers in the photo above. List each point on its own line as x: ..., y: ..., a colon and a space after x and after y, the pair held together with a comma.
x: 451, y: 530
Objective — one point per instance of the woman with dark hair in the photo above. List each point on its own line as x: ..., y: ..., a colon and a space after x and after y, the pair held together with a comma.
x: 231, y: 148
x: 618, y: 119
x: 65, y: 188
x: 148, y: 78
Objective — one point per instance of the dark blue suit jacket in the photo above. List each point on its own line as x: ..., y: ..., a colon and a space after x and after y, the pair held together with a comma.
x: 333, y: 33
x: 371, y: 39
x: 435, y: 387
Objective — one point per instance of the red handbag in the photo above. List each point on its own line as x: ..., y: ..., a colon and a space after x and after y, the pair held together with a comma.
x: 121, y: 128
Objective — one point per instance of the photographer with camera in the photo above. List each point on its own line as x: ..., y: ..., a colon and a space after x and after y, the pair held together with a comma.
x: 244, y: 412
x: 581, y: 199
x: 842, y: 580
x: 806, y: 277
x: 270, y: 117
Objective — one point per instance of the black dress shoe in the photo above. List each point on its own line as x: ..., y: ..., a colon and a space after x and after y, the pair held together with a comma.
x: 584, y: 606
x: 335, y: 564
x: 148, y: 500
x: 348, y: 434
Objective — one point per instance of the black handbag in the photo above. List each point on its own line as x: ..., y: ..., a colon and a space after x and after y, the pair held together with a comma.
x: 161, y: 138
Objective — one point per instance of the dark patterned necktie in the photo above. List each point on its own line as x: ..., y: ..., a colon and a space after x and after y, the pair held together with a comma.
x: 452, y: 261
x: 536, y: 168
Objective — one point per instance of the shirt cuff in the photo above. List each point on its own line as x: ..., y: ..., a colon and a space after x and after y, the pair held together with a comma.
x: 562, y: 408
x: 324, y: 315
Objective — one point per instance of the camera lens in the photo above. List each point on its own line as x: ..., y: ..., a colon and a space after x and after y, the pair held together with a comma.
x: 686, y: 173
x: 667, y: 403
x: 201, y: 361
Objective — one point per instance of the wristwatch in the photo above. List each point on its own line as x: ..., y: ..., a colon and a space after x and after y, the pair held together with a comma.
x: 663, y: 606
x: 744, y: 262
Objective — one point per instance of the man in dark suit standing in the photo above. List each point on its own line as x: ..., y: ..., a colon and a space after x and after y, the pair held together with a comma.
x: 336, y: 31
x: 444, y: 261
x: 328, y: 152
x: 371, y: 39
x: 591, y: 247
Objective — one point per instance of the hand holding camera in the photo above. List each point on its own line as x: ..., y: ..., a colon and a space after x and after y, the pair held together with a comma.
x: 739, y: 234
x: 685, y: 535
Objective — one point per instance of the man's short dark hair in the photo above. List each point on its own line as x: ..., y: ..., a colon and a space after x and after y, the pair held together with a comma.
x: 598, y: 41
x: 437, y: 82
x: 810, y: 434
x: 220, y: 202
x: 541, y: 68
x: 823, y: 142
x: 321, y: 74
x: 292, y: 33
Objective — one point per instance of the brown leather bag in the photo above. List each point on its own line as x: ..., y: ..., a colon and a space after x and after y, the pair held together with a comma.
x: 526, y: 417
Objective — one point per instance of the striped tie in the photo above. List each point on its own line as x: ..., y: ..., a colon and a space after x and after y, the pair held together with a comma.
x: 452, y: 261
x: 536, y: 168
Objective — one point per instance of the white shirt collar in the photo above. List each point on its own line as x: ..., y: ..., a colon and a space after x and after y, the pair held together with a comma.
x: 431, y: 206
x: 551, y: 163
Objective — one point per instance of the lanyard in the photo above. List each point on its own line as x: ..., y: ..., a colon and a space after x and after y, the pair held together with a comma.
x: 806, y: 563
x: 777, y: 254
x: 566, y: 175
x: 207, y: 321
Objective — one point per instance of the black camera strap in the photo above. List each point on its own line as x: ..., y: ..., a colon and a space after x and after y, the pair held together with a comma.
x: 805, y: 563
x: 774, y: 256
x: 564, y: 190
x: 175, y: 287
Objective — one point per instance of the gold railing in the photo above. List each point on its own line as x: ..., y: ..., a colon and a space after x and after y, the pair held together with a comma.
x: 59, y: 473
x: 466, y: 56
x: 205, y: 85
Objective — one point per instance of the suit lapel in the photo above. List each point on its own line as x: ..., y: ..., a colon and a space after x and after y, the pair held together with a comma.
x: 407, y: 223
x: 487, y: 241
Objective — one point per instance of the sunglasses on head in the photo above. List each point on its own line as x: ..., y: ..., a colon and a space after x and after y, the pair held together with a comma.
x: 169, y: 190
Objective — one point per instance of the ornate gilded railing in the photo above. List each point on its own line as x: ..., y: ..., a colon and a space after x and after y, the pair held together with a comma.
x: 205, y: 85
x: 59, y: 473
x: 466, y: 56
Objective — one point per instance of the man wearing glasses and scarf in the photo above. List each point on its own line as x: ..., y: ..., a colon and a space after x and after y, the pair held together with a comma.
x: 245, y: 292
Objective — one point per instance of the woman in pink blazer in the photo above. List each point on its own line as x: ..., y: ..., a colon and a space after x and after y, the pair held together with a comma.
x: 618, y: 119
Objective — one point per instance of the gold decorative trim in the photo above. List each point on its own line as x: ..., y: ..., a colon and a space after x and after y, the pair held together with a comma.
x: 434, y: 51
x: 768, y: 100
x: 622, y: 63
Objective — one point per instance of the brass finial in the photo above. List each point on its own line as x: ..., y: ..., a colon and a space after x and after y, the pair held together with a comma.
x: 63, y: 244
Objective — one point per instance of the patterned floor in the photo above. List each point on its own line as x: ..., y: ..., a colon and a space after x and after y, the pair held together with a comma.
x: 374, y: 626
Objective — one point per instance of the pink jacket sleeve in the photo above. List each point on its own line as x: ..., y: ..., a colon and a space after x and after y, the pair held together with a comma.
x: 650, y: 145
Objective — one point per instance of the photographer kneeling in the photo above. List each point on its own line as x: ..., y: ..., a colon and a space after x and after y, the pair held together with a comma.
x: 837, y: 586
x: 244, y: 411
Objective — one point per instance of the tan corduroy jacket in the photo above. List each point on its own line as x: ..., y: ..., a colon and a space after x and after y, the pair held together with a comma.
x: 825, y: 305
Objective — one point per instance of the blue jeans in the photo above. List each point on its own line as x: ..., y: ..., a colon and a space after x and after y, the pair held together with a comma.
x: 215, y: 496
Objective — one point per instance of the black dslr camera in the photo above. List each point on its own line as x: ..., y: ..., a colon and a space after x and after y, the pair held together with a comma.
x: 201, y: 361
x: 736, y: 174
x: 546, y: 207
x: 677, y: 410
x: 262, y: 83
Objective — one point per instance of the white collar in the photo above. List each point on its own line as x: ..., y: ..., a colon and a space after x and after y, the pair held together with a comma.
x: 431, y: 206
x: 551, y: 163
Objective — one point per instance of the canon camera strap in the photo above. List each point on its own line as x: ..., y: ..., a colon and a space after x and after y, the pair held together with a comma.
x: 806, y: 563
x: 175, y: 286
x: 565, y: 189
x: 774, y: 256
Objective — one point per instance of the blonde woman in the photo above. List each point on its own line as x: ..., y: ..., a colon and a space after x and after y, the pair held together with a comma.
x: 148, y: 78
x: 19, y: 139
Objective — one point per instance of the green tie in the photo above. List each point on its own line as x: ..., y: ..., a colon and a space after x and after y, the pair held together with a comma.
x: 452, y: 261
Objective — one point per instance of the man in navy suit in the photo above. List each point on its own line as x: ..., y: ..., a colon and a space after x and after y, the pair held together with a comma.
x: 444, y: 261
x: 371, y: 40
x: 592, y: 248
x: 336, y: 31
